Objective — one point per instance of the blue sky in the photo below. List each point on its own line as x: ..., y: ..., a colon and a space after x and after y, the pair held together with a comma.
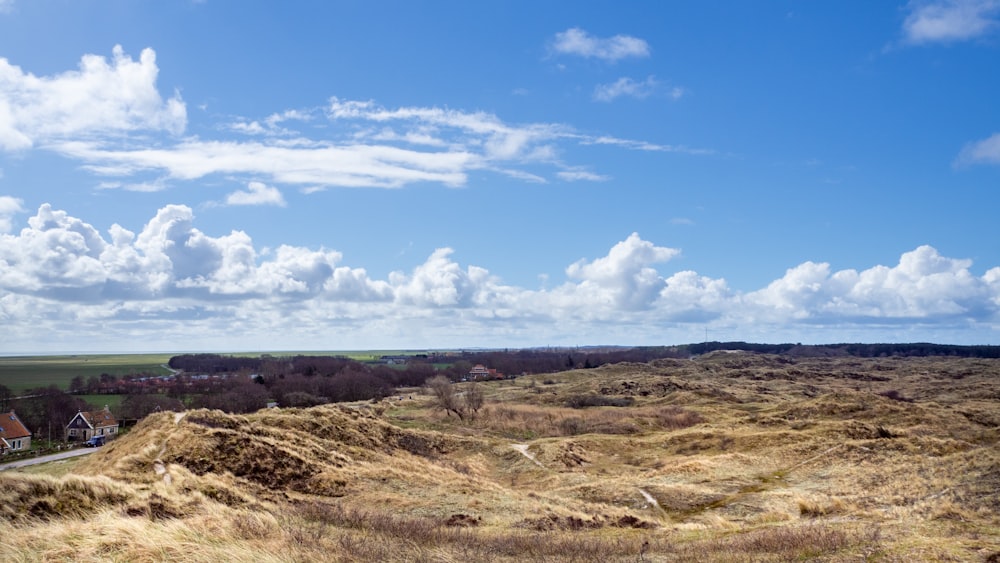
x: 222, y: 175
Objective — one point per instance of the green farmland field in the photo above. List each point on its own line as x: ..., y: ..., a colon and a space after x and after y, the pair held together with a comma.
x: 20, y: 373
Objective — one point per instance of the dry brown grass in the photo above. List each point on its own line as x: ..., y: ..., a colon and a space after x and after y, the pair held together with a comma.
x: 729, y: 457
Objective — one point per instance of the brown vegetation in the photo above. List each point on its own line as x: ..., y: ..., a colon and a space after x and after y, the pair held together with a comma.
x: 727, y: 457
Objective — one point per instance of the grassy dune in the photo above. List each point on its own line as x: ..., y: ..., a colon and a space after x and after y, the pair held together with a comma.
x: 728, y: 457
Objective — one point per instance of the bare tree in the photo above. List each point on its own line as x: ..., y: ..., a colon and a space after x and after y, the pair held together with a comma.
x: 461, y: 404
x: 474, y: 398
x: 445, y: 395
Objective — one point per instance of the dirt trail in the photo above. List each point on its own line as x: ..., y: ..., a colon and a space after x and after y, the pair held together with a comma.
x: 159, y: 467
x: 523, y: 448
x: 653, y: 503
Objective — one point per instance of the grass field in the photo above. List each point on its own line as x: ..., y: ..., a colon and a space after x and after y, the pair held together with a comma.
x: 20, y: 373
x: 99, y: 401
x: 726, y: 457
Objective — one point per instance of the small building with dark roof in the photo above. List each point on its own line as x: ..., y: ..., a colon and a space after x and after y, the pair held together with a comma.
x: 88, y: 424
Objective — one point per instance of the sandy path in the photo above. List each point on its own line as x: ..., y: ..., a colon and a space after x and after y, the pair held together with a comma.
x: 159, y: 467
x: 523, y: 448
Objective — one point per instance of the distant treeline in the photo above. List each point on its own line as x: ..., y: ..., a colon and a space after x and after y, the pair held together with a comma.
x: 419, y: 367
x: 546, y: 360
x: 913, y: 349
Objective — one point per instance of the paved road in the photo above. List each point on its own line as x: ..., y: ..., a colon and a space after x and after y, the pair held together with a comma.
x: 46, y: 458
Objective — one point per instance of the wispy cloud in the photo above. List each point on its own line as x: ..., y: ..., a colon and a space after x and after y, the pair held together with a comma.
x: 626, y: 87
x: 577, y: 175
x: 324, y: 165
x: 986, y: 151
x: 9, y: 206
x: 943, y: 21
x: 109, y: 116
x: 271, y: 125
x: 575, y: 41
x: 638, y: 89
x: 642, y: 145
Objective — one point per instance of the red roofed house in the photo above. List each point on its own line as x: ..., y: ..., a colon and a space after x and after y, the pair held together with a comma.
x: 14, y: 437
x: 87, y: 424
x: 481, y: 372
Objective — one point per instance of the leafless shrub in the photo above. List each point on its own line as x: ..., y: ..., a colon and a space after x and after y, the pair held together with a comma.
x: 815, y: 508
x: 591, y: 400
x: 895, y: 395
x: 802, y: 542
x: 674, y: 417
x: 884, y: 433
x: 572, y: 426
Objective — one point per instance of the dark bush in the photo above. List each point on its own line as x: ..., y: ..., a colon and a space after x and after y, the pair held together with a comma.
x: 583, y: 401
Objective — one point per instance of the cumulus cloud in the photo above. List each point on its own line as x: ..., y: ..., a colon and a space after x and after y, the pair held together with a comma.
x: 102, y: 97
x: 575, y: 41
x: 986, y: 151
x: 62, y: 257
x: 170, y: 280
x: 256, y: 194
x: 624, y: 277
x: 950, y: 20
x: 923, y: 285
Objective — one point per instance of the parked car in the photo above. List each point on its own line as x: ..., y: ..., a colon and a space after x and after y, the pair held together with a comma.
x: 94, y: 442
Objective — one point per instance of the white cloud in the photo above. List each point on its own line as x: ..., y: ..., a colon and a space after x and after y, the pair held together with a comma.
x: 923, y: 285
x: 6, y: 6
x: 625, y: 87
x: 642, y: 145
x: 325, y: 165
x: 62, y: 257
x: 410, y: 144
x: 950, y: 20
x: 578, y: 175
x: 257, y: 194
x: 271, y: 125
x: 109, y: 115
x: 174, y: 285
x: 639, y: 90
x: 102, y: 97
x: 694, y: 298
x: 575, y: 41
x: 9, y: 206
x: 624, y: 276
x: 986, y: 151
